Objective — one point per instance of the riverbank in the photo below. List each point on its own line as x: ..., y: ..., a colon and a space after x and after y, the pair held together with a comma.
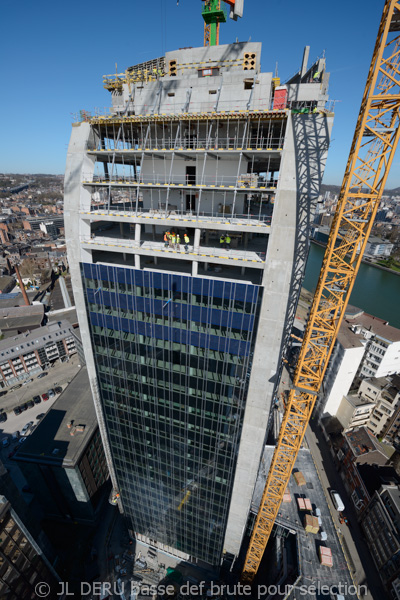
x: 365, y: 261
x: 376, y: 290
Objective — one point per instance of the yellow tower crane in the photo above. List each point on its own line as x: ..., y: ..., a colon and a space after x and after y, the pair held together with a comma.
x: 371, y: 155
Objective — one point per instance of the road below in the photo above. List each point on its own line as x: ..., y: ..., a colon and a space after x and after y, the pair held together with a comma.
x: 365, y: 570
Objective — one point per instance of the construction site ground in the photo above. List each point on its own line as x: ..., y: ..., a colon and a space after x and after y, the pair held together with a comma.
x: 122, y: 559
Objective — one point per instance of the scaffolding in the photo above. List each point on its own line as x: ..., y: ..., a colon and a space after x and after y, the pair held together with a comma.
x: 137, y: 158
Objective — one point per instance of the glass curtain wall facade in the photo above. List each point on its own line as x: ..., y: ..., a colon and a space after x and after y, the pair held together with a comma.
x: 173, y: 358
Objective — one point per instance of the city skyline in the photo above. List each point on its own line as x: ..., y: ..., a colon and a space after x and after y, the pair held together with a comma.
x: 54, y: 53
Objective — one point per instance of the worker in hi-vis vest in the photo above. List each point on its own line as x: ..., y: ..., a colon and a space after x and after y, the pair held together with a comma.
x: 186, y: 240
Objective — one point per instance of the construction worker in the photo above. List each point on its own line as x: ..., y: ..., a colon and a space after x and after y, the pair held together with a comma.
x: 222, y: 241
x: 178, y: 242
x: 227, y: 242
x: 173, y: 240
x: 316, y: 76
x: 186, y: 240
x: 166, y: 239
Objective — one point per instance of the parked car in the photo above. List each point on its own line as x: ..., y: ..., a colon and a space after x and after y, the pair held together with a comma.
x: 3, y: 392
x: 40, y: 416
x: 58, y: 389
x: 45, y: 397
x: 27, y: 381
x: 3, y: 417
x: 24, y: 406
x: 42, y: 375
x: 51, y: 393
x: 16, y: 387
x: 22, y: 440
x: 17, y: 410
x: 15, y: 436
x: 30, y: 404
x: 5, y: 443
x: 37, y: 399
x: 26, y: 429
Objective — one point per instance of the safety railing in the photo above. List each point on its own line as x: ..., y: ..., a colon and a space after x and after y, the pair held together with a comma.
x: 173, y: 212
x: 201, y: 250
x: 173, y: 107
x: 191, y: 143
x: 187, y: 181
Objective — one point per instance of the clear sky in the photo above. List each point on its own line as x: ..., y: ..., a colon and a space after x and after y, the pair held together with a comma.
x: 53, y: 56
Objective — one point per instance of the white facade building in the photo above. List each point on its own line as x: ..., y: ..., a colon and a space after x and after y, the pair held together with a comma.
x: 366, y: 347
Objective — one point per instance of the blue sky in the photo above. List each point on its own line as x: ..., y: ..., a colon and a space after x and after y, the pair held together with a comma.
x: 53, y: 56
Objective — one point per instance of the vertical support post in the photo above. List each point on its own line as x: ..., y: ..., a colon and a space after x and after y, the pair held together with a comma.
x: 196, y: 242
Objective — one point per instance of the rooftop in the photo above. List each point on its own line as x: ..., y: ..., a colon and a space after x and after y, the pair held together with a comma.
x: 20, y: 318
x: 348, y: 339
x: 365, y: 446
x: 356, y: 401
x: 377, y: 326
x: 14, y: 345
x: 6, y: 281
x: 52, y: 442
x: 373, y: 239
x: 394, y: 493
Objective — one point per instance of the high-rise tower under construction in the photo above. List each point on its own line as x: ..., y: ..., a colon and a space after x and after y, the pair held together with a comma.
x: 187, y: 214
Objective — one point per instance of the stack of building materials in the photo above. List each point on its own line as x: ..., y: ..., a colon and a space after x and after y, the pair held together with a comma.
x: 311, y: 524
x: 304, y: 504
x: 299, y: 478
x: 325, y: 556
x: 300, y: 503
x: 286, y: 496
x: 307, y: 504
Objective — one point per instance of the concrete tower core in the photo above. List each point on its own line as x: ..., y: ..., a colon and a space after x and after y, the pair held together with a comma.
x: 184, y: 345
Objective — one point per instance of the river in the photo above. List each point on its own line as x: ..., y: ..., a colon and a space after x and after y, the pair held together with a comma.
x: 376, y: 291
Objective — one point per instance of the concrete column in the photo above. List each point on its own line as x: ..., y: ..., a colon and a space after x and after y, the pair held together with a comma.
x: 121, y: 231
x: 137, y: 260
x: 138, y: 228
x: 195, y: 268
x: 196, y: 242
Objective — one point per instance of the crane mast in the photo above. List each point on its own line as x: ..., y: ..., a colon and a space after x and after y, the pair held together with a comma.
x: 213, y: 14
x: 371, y: 155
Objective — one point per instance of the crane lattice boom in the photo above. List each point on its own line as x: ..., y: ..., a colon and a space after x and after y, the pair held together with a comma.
x: 371, y: 155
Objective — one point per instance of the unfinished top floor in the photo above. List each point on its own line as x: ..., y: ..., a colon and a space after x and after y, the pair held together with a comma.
x: 214, y: 78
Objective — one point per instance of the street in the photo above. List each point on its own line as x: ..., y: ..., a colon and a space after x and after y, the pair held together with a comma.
x: 365, y: 570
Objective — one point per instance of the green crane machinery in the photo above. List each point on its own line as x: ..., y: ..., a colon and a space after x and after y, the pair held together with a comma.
x: 214, y: 14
